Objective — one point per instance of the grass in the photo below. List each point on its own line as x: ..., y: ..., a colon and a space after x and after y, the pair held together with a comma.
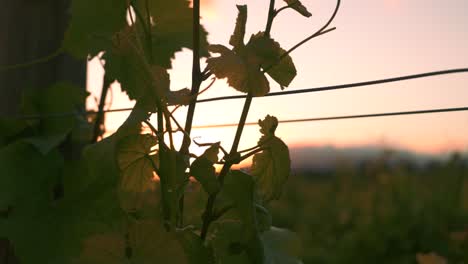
x: 380, y: 212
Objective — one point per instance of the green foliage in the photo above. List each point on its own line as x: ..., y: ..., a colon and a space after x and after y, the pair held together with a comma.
x: 374, y: 213
x: 239, y: 187
x: 272, y: 166
x: 34, y: 232
x: 228, y: 243
x: 136, y: 164
x: 196, y: 251
x: 204, y: 171
x: 104, y: 204
x: 140, y: 242
x: 172, y: 32
x: 242, y: 65
x: 129, y: 198
x: 92, y: 26
x: 242, y: 72
x: 10, y: 128
x: 269, y: 52
x: 51, y: 132
x: 237, y: 37
x: 281, y: 246
x: 27, y: 177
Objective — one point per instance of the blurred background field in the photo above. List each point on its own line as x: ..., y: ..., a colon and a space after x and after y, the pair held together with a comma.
x: 381, y: 210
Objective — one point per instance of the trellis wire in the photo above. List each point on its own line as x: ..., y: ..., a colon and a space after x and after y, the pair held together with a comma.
x: 297, y: 91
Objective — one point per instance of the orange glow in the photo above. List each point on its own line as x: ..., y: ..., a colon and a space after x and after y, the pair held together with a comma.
x: 392, y: 4
x: 370, y: 43
x: 207, y: 9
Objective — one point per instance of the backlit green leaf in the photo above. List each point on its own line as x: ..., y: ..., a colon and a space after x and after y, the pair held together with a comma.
x: 27, y: 177
x: 171, y: 30
x: 41, y: 227
x: 143, y: 242
x: 241, y: 70
x: 230, y: 245
x: 204, y: 171
x: 92, y: 26
x: 101, y: 164
x: 271, y: 167
x: 281, y: 246
x: 136, y: 163
x: 264, y: 219
x: 50, y: 132
x: 174, y: 179
x: 141, y: 81
x: 269, y: 51
x: 9, y: 128
x: 239, y: 186
x: 195, y: 250
x: 42, y: 234
x: 241, y: 65
x: 237, y: 38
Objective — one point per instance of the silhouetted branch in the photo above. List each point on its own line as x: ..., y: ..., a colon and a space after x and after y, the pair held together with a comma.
x: 321, y: 31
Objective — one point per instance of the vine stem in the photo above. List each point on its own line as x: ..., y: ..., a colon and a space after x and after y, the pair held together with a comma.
x: 271, y: 16
x: 196, y: 76
x: 209, y: 216
x: 286, y: 7
x: 319, y: 32
x: 99, y: 122
x: 196, y: 82
x: 44, y: 59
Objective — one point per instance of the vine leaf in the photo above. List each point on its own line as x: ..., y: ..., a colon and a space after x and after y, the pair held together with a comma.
x: 27, y: 229
x: 171, y: 33
x: 9, y: 128
x: 272, y: 166
x: 124, y: 63
x: 231, y: 247
x: 241, y: 70
x: 27, y: 176
x: 196, y: 251
x: 240, y: 188
x: 269, y: 51
x: 299, y: 7
x: 242, y: 65
x: 237, y: 38
x: 142, y: 242
x: 264, y: 219
x: 204, y: 171
x: 99, y: 186
x: 173, y: 182
x: 89, y: 33
x: 100, y: 160
x: 88, y: 206
x: 51, y: 132
x: 141, y: 81
x: 227, y: 242
x: 281, y: 246
x: 136, y: 164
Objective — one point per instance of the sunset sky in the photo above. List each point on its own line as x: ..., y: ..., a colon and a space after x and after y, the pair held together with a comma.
x: 374, y: 39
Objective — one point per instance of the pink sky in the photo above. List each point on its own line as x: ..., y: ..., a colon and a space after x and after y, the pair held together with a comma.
x: 374, y: 39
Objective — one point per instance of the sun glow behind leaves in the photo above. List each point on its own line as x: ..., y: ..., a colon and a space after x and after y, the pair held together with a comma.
x: 399, y: 41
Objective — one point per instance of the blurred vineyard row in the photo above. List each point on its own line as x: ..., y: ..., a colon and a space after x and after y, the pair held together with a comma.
x: 382, y: 211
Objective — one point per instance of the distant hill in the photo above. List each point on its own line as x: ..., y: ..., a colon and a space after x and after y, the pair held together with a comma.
x: 327, y: 157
